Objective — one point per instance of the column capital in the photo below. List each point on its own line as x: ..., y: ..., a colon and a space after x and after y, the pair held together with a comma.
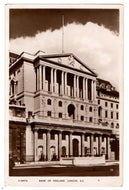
x: 83, y: 134
x: 70, y: 132
x: 48, y: 130
x: 92, y: 134
x: 28, y: 126
x: 60, y: 132
x: 35, y: 130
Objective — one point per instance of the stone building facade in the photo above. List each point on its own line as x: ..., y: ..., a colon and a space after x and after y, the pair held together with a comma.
x: 55, y: 111
x: 108, y: 112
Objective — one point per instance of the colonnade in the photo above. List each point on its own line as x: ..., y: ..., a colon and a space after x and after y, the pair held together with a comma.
x: 70, y: 144
x: 88, y: 85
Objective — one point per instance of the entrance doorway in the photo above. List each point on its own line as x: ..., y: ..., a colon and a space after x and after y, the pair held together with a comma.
x: 75, y: 148
x: 115, y: 148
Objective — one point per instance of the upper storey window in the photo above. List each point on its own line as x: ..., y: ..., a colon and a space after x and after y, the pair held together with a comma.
x: 106, y: 114
x: 60, y: 103
x: 111, y: 105
x: 117, y: 106
x: 60, y: 115
x: 49, y: 113
x: 82, y: 107
x: 117, y: 115
x: 106, y: 104
x: 90, y: 119
x: 82, y: 118
x: 98, y: 93
x: 117, y: 125
x: 49, y: 101
x: 112, y: 125
x: 111, y: 115
x: 90, y: 109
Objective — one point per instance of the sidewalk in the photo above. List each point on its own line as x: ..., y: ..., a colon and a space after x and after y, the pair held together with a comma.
x: 57, y: 164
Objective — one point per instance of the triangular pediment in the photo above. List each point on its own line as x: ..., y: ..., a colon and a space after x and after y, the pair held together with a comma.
x: 69, y: 60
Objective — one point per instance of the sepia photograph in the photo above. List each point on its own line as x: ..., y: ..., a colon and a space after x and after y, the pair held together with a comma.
x: 65, y: 94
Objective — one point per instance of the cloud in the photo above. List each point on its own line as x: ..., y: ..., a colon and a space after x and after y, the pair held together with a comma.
x: 95, y: 45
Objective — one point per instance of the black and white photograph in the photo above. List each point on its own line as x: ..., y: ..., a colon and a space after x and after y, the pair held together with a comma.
x: 65, y: 94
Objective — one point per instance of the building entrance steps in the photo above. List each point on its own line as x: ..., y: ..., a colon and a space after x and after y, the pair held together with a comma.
x: 83, y: 161
x: 66, y: 161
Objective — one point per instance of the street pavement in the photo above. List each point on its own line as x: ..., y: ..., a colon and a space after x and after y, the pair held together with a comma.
x: 101, y: 170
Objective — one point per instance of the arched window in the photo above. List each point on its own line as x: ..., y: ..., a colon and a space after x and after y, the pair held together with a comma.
x: 99, y: 111
x: 63, y: 151
x: 49, y: 101
x: 71, y: 111
x: 82, y: 107
x: 40, y: 153
x: 82, y: 118
x: 106, y: 123
x: 49, y: 113
x: 112, y: 125
x: 117, y: 125
x: 90, y: 109
x: 60, y: 103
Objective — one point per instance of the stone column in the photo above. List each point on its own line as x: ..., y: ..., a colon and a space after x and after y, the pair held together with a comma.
x: 59, y: 144
x: 66, y: 111
x: 84, y: 88
x: 77, y: 112
x: 44, y: 77
x: 74, y: 85
x: 37, y: 75
x: 92, y: 144
x: 70, y: 144
x: 100, y: 145
x: 51, y: 79
x: 82, y: 144
x: 40, y: 77
x: 11, y: 88
x: 55, y: 80
x: 108, y: 149
x: 92, y: 90
x: 29, y: 143
x: 65, y: 83
x: 62, y: 82
x: 48, y: 145
x: 35, y: 144
x: 77, y: 86
x: 14, y: 87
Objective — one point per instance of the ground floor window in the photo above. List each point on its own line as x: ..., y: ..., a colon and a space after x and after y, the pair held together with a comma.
x: 63, y: 151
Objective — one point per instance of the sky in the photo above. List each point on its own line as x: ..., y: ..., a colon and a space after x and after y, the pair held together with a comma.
x: 90, y: 34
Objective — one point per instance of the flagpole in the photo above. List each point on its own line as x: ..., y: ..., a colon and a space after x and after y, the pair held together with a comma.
x: 62, y: 33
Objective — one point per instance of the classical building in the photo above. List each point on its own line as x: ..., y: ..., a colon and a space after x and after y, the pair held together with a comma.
x: 108, y: 112
x: 57, y: 111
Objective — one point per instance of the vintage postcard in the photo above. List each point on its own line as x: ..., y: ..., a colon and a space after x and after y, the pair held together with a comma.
x: 64, y: 88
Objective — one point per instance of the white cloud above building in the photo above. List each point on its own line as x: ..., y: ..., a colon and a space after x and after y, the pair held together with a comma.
x: 95, y: 45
